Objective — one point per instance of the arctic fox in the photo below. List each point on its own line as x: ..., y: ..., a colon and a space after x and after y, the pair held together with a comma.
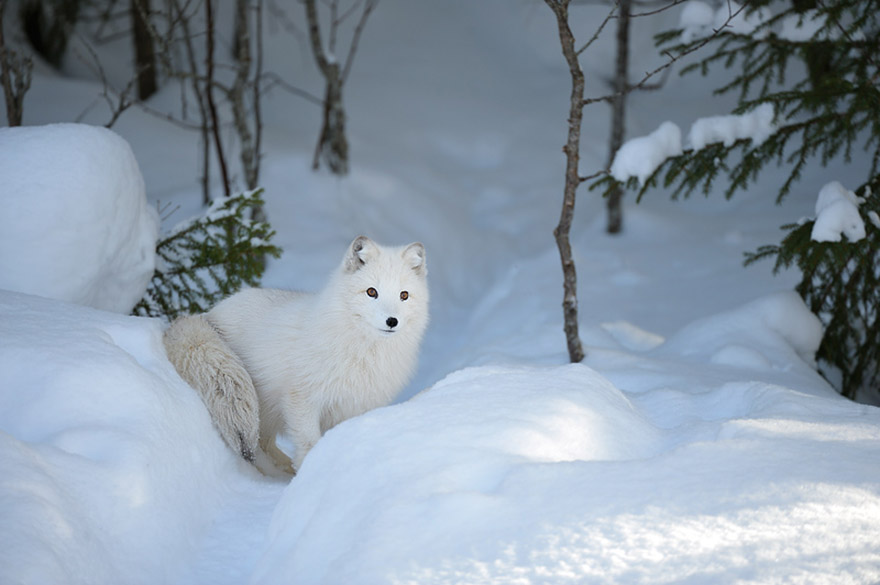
x: 269, y: 361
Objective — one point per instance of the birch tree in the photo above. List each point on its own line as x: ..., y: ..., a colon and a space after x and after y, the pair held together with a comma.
x: 332, y: 147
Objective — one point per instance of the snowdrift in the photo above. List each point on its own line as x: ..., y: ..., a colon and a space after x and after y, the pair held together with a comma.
x: 75, y: 225
x: 688, y: 461
x: 110, y: 471
x: 695, y: 444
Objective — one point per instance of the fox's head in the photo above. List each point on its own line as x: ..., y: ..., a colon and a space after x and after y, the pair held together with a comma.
x: 386, y: 288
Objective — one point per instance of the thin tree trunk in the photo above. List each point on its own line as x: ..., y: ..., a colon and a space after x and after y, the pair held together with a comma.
x: 200, y: 100
x: 332, y: 144
x: 15, y: 77
x: 572, y: 180
x: 249, y: 156
x: 618, y: 112
x: 48, y: 27
x: 250, y: 139
x: 209, y: 97
x: 145, y: 55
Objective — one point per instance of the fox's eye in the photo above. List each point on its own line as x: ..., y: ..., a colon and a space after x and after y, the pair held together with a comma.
x: 404, y: 295
x: 372, y: 293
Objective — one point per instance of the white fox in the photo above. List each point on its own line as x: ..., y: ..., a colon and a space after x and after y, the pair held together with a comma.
x: 269, y: 361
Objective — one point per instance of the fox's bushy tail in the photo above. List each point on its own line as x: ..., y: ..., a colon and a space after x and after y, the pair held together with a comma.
x: 207, y: 363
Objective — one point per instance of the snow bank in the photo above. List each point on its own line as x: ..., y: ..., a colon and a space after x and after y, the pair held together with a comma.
x: 110, y: 470
x: 668, y: 463
x: 419, y: 480
x: 75, y: 225
x: 639, y: 157
x: 773, y: 331
x: 756, y: 125
x: 837, y: 215
x: 554, y: 474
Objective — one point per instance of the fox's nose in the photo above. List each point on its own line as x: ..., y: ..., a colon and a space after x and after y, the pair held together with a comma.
x: 391, y: 322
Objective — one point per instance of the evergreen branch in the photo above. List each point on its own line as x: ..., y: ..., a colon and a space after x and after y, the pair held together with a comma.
x: 208, y: 258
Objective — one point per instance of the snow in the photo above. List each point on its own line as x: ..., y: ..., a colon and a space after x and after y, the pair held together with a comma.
x: 76, y: 224
x: 699, y: 19
x: 696, y: 442
x: 756, y: 125
x: 100, y: 439
x: 639, y: 157
x: 837, y: 215
x: 696, y: 20
x: 734, y: 18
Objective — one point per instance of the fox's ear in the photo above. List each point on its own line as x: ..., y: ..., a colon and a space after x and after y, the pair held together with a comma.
x: 414, y: 255
x: 361, y: 251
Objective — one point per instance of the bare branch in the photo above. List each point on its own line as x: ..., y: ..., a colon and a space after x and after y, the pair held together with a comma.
x: 595, y: 175
x: 315, y: 37
x: 122, y: 100
x: 608, y: 17
x: 356, y: 37
x: 672, y: 59
x: 274, y: 80
x: 664, y: 6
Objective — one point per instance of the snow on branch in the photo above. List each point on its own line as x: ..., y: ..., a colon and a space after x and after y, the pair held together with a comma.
x: 837, y: 215
x: 640, y: 157
x: 756, y: 125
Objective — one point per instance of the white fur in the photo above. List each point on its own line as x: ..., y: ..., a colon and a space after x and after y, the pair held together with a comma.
x: 318, y: 359
x: 209, y: 365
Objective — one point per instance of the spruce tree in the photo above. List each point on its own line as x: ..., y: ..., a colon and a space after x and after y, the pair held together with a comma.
x: 209, y: 258
x: 829, y: 114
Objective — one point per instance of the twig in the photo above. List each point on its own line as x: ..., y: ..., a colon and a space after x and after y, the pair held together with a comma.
x: 275, y: 80
x: 356, y: 36
x: 608, y: 17
x: 672, y: 60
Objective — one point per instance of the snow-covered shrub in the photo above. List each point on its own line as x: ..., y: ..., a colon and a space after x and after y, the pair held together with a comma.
x: 209, y: 257
x: 75, y: 224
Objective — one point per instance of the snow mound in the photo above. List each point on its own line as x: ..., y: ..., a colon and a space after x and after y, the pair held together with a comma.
x: 837, y: 215
x: 631, y: 336
x: 551, y: 475
x: 756, y: 125
x: 639, y: 157
x: 409, y: 480
x: 99, y: 441
x: 76, y: 225
x: 770, y: 331
x: 111, y: 472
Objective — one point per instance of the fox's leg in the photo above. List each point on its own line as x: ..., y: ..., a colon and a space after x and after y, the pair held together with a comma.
x: 305, y: 430
x: 279, y: 457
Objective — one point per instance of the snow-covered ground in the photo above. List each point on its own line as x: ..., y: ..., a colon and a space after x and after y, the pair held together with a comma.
x: 695, y: 444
